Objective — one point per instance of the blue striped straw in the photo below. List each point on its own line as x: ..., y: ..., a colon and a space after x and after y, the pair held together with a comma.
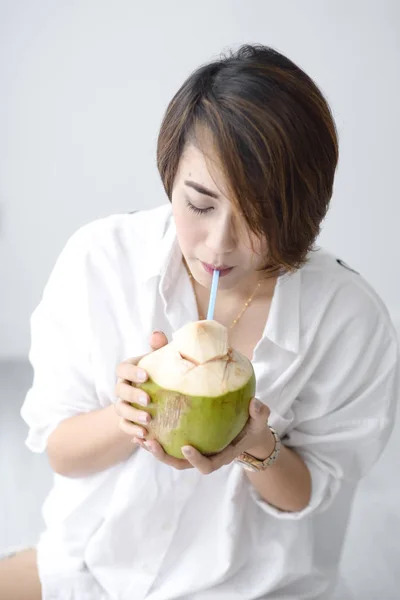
x: 213, y: 295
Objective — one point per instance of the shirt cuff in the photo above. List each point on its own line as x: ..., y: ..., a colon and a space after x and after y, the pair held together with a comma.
x: 324, y: 488
x: 40, y: 429
x: 37, y: 438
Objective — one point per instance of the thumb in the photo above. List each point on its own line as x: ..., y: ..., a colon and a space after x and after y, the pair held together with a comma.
x: 158, y: 339
x: 259, y: 411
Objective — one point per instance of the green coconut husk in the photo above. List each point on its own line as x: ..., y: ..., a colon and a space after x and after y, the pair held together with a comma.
x: 200, y: 390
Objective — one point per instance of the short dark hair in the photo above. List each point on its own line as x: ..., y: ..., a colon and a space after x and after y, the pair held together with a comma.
x: 275, y: 139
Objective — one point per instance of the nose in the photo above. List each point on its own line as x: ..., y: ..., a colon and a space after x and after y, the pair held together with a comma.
x: 222, y: 236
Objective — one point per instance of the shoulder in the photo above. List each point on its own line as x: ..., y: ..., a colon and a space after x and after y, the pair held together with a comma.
x: 338, y: 306
x: 109, y: 251
x: 119, y: 238
x: 349, y: 358
x: 130, y: 230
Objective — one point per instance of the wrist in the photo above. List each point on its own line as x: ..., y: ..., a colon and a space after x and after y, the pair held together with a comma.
x: 264, y: 447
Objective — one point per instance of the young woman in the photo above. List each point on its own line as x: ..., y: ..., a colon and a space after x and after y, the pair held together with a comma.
x: 247, y: 154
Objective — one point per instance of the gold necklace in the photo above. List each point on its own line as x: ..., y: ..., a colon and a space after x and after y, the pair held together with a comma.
x: 245, y: 307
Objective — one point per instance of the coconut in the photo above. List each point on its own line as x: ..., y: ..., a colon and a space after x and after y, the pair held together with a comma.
x: 200, y: 390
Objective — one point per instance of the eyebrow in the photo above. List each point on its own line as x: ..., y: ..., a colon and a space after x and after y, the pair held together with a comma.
x: 201, y: 189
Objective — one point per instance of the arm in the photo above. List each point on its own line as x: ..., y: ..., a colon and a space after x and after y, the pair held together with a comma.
x: 286, y: 485
x: 102, y: 438
x: 62, y: 408
x: 343, y: 442
x: 88, y: 443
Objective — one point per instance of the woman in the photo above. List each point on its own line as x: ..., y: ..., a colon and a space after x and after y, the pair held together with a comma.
x: 247, y: 154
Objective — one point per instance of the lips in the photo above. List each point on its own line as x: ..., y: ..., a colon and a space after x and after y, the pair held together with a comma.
x: 223, y: 269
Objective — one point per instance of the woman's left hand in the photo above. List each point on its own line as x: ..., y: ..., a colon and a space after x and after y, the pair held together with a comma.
x: 256, y: 438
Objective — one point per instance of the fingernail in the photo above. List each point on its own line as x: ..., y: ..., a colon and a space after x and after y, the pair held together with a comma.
x: 257, y: 405
x: 156, y: 331
x: 187, y: 450
x: 141, y: 375
x: 148, y: 446
x: 143, y: 400
x: 144, y: 418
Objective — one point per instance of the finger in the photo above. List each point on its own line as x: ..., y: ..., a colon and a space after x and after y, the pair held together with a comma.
x: 128, y: 369
x: 130, y: 372
x: 207, y: 465
x: 213, y: 463
x: 158, y: 339
x: 129, y: 393
x: 232, y: 451
x: 131, y: 429
x: 157, y: 451
x: 128, y: 412
x: 259, y: 413
x: 198, y: 460
x: 140, y: 442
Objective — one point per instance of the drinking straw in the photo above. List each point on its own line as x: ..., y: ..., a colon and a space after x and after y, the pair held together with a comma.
x: 213, y: 295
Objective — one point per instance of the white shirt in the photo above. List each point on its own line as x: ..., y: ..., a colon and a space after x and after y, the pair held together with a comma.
x: 327, y: 366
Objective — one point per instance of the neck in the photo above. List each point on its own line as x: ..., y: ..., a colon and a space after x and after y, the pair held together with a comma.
x: 241, y: 292
x: 255, y: 288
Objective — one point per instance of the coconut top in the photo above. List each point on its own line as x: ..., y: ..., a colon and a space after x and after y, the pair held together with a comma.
x: 198, y: 362
x: 202, y: 341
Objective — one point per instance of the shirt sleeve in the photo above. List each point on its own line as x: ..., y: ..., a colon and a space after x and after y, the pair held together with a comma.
x: 60, y: 353
x: 345, y: 413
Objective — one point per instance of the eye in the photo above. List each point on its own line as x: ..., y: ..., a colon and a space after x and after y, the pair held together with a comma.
x: 198, y: 211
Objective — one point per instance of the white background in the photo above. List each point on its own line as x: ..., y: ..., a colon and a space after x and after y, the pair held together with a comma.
x: 84, y: 85
x: 83, y: 88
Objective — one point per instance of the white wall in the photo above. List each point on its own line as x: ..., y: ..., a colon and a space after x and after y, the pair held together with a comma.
x: 83, y: 86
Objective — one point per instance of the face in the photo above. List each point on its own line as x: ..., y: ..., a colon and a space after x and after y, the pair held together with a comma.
x: 210, y: 231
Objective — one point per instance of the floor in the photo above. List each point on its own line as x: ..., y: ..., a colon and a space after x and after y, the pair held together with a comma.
x: 371, y: 560
x: 25, y: 476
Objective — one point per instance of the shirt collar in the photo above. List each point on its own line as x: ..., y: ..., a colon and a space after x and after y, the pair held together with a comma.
x: 283, y: 324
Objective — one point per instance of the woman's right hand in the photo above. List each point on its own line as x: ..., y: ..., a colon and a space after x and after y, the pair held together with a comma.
x: 133, y: 421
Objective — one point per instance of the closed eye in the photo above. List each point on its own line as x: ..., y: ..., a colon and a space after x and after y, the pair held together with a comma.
x: 198, y: 211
